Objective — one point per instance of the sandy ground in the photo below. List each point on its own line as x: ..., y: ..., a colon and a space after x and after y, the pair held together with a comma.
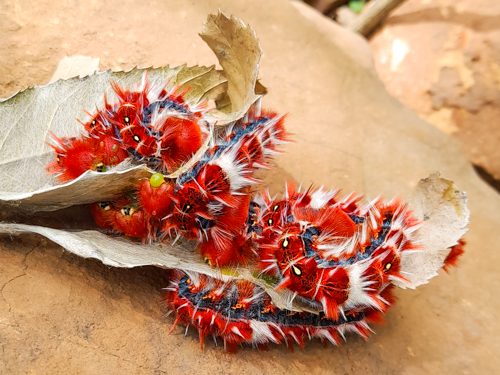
x: 61, y: 314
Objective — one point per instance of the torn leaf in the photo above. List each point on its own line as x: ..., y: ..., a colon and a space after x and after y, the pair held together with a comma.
x: 237, y: 49
x: 120, y: 252
x: 442, y: 208
x: 438, y: 203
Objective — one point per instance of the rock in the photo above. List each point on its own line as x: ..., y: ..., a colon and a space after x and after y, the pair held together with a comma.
x: 449, y: 72
x: 61, y: 314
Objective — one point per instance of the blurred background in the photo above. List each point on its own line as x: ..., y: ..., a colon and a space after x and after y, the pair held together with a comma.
x: 440, y: 58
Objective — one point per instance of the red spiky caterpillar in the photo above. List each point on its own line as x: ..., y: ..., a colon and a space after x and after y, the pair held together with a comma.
x: 239, y: 312
x: 211, y: 201
x: 330, y: 251
x: 149, y: 125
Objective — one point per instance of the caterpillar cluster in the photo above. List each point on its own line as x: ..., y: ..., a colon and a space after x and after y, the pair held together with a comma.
x: 337, y: 255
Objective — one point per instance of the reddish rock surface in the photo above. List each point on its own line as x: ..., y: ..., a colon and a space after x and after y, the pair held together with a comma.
x: 62, y: 314
x: 441, y: 58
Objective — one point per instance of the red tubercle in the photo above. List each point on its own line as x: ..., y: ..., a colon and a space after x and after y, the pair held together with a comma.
x: 110, y: 150
x: 376, y: 315
x: 127, y: 114
x: 251, y: 150
x: 233, y: 218
x: 133, y: 226
x: 131, y: 221
x: 333, y: 290
x: 302, y: 277
x: 181, y: 138
x: 214, y: 182
x: 221, y: 251
x: 122, y: 216
x: 156, y: 202
x: 74, y: 156
x: 139, y: 139
x: 278, y: 129
x: 226, y: 242
x: 97, y: 125
x: 333, y: 223
x: 390, y: 263
x: 134, y: 98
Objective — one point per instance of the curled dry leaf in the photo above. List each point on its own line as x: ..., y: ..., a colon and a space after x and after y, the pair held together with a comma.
x: 443, y: 210
x: 120, y: 252
x: 27, y: 118
x: 438, y: 203
x: 238, y: 51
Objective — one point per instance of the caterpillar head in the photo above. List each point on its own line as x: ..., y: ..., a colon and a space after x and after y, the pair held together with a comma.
x: 103, y: 214
x: 130, y: 220
x: 75, y: 156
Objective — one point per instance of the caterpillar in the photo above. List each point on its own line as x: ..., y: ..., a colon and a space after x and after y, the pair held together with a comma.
x: 337, y: 255
x: 211, y: 201
x: 240, y: 312
x: 330, y: 250
x: 154, y: 126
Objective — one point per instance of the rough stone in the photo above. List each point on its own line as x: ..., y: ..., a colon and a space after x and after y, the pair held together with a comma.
x: 61, y: 314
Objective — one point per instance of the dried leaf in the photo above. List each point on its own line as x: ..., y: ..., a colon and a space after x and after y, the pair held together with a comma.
x: 27, y: 117
x: 88, y: 188
x: 119, y: 252
x: 237, y: 48
x: 442, y: 207
x: 75, y: 66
